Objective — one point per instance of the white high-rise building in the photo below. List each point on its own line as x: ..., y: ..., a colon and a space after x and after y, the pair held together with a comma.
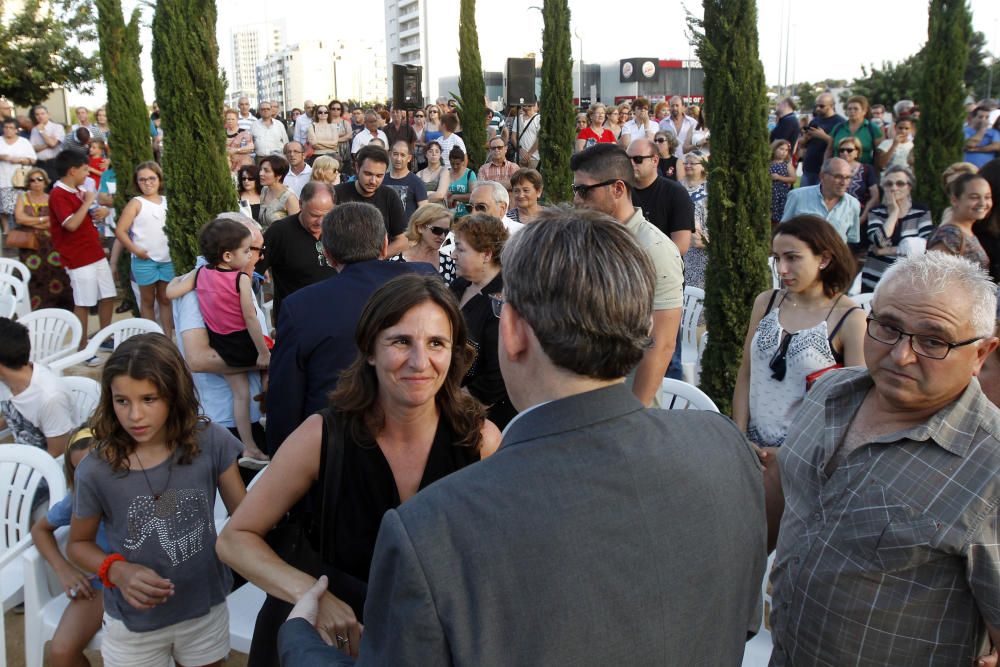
x: 411, y: 39
x: 251, y: 44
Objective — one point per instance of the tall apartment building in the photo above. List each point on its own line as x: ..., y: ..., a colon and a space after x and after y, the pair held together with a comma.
x: 411, y: 39
x: 251, y: 44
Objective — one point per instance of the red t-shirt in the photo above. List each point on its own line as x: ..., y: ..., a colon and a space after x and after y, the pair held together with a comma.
x: 591, y: 137
x: 81, y: 246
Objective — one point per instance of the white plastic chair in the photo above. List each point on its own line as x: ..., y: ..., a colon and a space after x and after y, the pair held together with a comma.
x: 54, y: 332
x: 677, y: 395
x: 8, y: 306
x: 694, y: 303
x: 11, y: 284
x: 118, y: 332
x: 22, y: 468
x: 865, y: 301
x: 855, y: 287
x: 12, y: 266
x: 757, y: 652
x: 86, y: 394
x: 268, y: 310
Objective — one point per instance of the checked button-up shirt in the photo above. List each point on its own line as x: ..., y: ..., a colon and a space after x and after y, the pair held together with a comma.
x: 892, y: 559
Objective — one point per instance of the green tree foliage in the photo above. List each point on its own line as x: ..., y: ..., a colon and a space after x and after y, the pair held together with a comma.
x: 189, y: 91
x: 739, y: 217
x: 557, y: 130
x: 471, y: 86
x: 941, y: 94
x: 41, y: 50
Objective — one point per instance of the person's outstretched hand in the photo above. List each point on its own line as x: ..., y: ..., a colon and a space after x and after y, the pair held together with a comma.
x: 307, y: 606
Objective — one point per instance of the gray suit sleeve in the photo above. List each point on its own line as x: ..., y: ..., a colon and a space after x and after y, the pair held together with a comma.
x: 299, y: 645
x: 401, y: 620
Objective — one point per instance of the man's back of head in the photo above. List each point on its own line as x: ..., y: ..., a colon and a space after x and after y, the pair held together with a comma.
x: 353, y: 232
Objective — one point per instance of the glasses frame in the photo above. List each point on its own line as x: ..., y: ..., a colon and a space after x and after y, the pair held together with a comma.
x: 639, y: 159
x: 438, y: 231
x: 912, y: 336
x: 583, y: 191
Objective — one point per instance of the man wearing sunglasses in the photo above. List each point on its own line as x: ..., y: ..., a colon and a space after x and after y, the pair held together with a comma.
x: 816, y: 137
x: 664, y: 202
x: 603, y: 180
x: 887, y: 548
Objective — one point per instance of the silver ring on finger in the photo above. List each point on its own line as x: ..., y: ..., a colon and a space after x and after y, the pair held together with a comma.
x: 342, y: 641
x: 72, y: 592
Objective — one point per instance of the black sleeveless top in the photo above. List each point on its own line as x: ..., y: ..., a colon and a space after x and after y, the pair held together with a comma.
x: 367, y: 491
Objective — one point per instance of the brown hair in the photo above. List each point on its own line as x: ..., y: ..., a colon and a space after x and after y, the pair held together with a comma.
x: 527, y: 174
x: 153, y: 167
x: 356, y: 397
x: 821, y: 237
x: 152, y: 357
x: 484, y: 233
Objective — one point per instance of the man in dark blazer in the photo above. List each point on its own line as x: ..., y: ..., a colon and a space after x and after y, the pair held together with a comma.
x: 601, y: 532
x: 315, y: 337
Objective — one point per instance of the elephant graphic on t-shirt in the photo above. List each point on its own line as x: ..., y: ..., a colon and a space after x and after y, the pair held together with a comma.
x: 179, y: 518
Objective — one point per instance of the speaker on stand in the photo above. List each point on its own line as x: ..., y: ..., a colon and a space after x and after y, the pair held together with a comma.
x: 406, y: 87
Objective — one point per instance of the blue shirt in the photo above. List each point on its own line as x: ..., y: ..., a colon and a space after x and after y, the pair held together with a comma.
x: 979, y: 159
x: 59, y: 515
x: 845, y: 216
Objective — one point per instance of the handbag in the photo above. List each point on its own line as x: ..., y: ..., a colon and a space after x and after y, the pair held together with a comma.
x: 19, y: 179
x: 24, y: 239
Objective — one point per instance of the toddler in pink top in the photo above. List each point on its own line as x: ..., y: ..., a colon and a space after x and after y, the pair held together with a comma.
x: 225, y: 297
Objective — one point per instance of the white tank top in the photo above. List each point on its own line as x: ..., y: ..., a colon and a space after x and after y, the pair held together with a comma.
x: 149, y: 231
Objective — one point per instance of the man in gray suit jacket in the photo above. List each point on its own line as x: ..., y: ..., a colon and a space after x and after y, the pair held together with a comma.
x: 601, y: 532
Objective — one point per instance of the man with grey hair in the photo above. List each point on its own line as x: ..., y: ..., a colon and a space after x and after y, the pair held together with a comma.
x: 207, y: 367
x: 315, y: 337
x: 887, y: 549
x: 244, y: 117
x: 599, y: 530
x: 491, y: 198
x: 829, y: 200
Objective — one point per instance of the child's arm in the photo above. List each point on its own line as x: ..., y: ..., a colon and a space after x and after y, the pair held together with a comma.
x: 250, y: 318
x: 74, y: 582
x: 231, y: 488
x: 71, y: 223
x: 181, y: 285
x: 124, y: 225
x: 141, y: 587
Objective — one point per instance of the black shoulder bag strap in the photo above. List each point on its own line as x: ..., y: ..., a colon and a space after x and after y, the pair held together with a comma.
x: 331, y: 469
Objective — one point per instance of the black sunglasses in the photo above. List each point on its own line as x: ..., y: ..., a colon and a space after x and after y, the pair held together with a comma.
x: 583, y: 190
x: 439, y: 231
x: 638, y: 159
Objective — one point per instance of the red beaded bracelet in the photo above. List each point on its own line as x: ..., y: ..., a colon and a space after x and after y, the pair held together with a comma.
x: 102, y: 572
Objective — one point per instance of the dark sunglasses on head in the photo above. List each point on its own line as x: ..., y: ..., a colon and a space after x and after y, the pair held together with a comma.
x: 439, y: 231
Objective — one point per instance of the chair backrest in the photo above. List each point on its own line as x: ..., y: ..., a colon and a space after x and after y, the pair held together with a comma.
x: 865, y: 301
x: 86, y: 394
x: 677, y: 395
x: 118, y: 331
x: 12, y: 266
x: 22, y: 468
x: 694, y: 302
x: 8, y: 305
x: 11, y: 284
x: 54, y: 333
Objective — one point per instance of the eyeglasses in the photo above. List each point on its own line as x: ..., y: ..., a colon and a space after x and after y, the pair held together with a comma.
x: 497, y: 148
x: 582, y: 191
x: 323, y: 112
x: 36, y: 179
x: 496, y: 303
x: 847, y: 149
x: 639, y: 159
x: 661, y: 140
x: 896, y: 184
x: 148, y: 179
x: 480, y: 208
x: 247, y: 178
x: 925, y: 346
x: 418, y: 115
x: 438, y: 231
x: 843, y: 178
x: 320, y: 257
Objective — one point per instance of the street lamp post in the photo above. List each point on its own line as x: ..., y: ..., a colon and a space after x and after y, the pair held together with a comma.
x: 581, y: 65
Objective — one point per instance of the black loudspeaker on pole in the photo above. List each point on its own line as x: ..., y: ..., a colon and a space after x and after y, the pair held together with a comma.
x: 406, y: 87
x: 520, y: 81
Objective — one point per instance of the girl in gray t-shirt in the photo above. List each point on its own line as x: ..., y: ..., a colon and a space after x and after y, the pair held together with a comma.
x: 152, y: 480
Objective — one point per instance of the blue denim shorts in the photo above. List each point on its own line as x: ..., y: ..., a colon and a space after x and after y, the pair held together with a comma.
x: 148, y: 272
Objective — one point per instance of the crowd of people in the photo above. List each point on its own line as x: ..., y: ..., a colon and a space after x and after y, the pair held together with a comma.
x: 447, y: 407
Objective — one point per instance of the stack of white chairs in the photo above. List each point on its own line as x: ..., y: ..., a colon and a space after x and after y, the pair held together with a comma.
x: 14, y: 286
x: 8, y: 305
x: 54, y: 334
x: 694, y: 303
x: 118, y: 332
x: 22, y: 469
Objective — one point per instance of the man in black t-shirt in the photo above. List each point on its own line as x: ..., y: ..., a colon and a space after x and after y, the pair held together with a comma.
x: 292, y: 249
x: 372, y: 164
x: 664, y: 203
x: 816, y: 138
x: 411, y: 190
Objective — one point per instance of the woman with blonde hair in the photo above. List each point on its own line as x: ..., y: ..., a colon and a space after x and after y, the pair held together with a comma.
x: 429, y: 225
x: 326, y: 169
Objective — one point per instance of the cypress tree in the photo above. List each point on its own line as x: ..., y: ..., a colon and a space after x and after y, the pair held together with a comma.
x: 941, y: 93
x: 190, y: 92
x: 739, y: 213
x: 558, y: 120
x: 120, y: 60
x: 471, y: 86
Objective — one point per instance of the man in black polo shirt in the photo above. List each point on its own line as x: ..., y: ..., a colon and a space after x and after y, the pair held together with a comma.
x: 292, y: 249
x: 372, y: 164
x: 664, y: 203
